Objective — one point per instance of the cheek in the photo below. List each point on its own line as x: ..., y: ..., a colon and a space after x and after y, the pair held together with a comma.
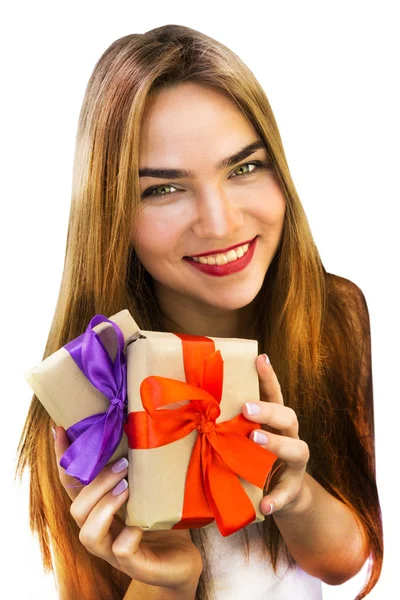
x: 275, y: 212
x: 270, y: 206
x: 157, y: 234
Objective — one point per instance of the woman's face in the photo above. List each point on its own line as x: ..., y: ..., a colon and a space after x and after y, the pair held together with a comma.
x: 193, y: 128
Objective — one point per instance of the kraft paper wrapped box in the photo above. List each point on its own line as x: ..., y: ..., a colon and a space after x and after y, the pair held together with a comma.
x: 67, y: 394
x: 190, y: 458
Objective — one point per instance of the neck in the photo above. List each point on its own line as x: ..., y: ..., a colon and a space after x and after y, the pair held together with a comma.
x: 207, y: 321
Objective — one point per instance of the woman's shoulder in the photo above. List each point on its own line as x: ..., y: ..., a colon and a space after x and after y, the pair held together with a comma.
x: 343, y: 285
x: 349, y: 294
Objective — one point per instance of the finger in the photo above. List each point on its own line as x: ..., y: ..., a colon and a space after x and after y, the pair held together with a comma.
x: 283, y: 419
x: 71, y: 484
x: 96, y: 531
x: 283, y: 495
x: 93, y: 492
x: 162, y: 559
x: 293, y: 451
x: 129, y: 554
x: 270, y: 389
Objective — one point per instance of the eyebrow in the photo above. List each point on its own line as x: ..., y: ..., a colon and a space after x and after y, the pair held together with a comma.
x: 189, y: 174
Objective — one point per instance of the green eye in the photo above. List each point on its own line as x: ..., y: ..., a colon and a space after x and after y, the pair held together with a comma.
x: 150, y: 191
x: 247, y: 165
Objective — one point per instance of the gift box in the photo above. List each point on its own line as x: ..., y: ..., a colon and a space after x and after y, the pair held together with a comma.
x: 190, y: 458
x: 83, y: 388
x: 176, y: 401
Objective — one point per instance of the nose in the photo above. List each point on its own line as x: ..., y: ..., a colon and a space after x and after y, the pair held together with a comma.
x: 217, y: 215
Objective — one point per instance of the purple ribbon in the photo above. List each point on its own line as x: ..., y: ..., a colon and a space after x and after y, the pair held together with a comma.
x: 95, y: 438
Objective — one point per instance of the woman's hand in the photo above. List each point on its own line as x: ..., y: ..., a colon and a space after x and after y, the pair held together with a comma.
x: 159, y: 558
x: 292, y: 451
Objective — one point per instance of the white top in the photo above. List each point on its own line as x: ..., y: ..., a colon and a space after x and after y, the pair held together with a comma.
x: 236, y: 579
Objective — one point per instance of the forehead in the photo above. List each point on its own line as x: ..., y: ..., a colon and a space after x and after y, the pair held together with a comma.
x: 191, y: 119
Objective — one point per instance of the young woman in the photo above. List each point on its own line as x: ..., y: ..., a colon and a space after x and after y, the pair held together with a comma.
x: 184, y: 212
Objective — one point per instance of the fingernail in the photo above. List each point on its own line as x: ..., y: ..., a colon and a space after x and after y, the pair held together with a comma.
x: 259, y: 437
x: 266, y: 359
x: 252, y: 409
x: 54, y: 433
x: 271, y: 508
x: 120, y: 465
x: 120, y: 487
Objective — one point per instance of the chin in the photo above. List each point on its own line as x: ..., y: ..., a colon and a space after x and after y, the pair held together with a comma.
x: 233, y: 301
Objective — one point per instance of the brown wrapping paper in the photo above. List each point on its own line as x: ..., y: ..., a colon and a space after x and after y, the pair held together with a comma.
x: 65, y: 392
x: 157, y: 476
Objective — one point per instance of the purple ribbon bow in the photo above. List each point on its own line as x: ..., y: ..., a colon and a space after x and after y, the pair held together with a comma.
x: 95, y: 438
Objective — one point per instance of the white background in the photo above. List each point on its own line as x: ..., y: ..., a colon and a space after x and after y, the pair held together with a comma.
x: 330, y: 71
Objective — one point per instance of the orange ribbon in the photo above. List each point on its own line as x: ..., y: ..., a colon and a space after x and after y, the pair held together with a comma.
x: 221, y: 452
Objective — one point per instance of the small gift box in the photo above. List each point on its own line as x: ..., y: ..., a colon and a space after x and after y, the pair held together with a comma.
x: 190, y: 458
x: 83, y: 388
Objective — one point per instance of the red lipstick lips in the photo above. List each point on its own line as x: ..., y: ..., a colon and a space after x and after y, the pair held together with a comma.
x: 229, y: 268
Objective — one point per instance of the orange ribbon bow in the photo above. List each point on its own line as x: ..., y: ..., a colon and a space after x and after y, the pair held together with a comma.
x: 221, y: 453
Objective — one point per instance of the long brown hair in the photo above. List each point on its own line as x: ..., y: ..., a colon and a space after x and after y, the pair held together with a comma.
x: 313, y: 325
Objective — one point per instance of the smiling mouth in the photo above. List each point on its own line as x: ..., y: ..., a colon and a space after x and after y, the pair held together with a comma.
x: 222, y: 258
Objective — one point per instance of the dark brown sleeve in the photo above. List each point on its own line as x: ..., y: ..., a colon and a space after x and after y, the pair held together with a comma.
x: 365, y: 385
x: 363, y: 404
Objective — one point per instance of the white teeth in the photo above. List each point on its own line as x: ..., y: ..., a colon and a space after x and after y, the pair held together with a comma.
x: 231, y: 256
x: 223, y: 259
